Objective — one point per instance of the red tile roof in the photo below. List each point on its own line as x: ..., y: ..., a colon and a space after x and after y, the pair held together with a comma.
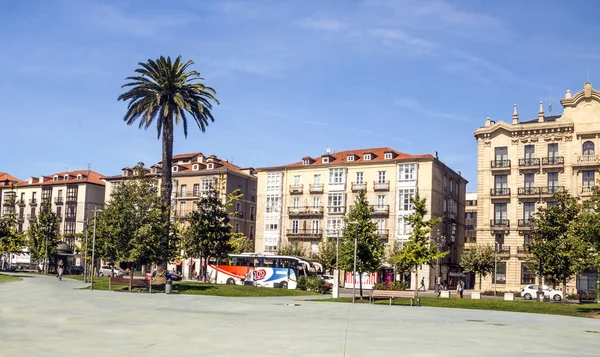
x: 340, y: 157
x: 11, y: 179
x: 87, y: 176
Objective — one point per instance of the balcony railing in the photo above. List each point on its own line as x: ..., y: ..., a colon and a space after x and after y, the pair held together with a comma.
x: 188, y: 194
x: 529, y: 162
x: 383, y: 233
x: 58, y: 200
x: 336, y: 209
x: 381, y: 186
x: 554, y: 160
x: 70, y: 216
x: 306, y: 211
x: 589, y: 189
x: 381, y: 210
x: 21, y: 202
x: 182, y: 213
x: 316, y: 188
x: 522, y: 250
x: 502, y: 250
x: 525, y: 222
x: 500, y: 164
x: 588, y: 159
x: 500, y: 223
x: 33, y: 202
x: 528, y: 191
x: 359, y: 186
x: 296, y: 189
x: 550, y: 190
x: 502, y: 191
x: 305, y: 233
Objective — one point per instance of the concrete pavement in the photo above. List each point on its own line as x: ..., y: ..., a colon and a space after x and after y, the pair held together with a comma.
x: 41, y: 316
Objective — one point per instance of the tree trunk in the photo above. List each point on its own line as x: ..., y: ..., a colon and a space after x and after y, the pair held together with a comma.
x: 360, y: 285
x: 564, y: 289
x: 416, y: 283
x: 479, y: 281
x: 166, y: 188
x: 130, y: 278
x: 217, y: 271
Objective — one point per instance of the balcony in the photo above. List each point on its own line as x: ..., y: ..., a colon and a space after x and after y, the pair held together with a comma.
x: 381, y: 186
x: 470, y: 236
x: 500, y: 164
x: 503, y: 251
x: 33, y: 202
x: 71, y: 199
x: 31, y: 217
x: 359, y: 186
x: 306, y: 211
x: 381, y: 210
x: 316, y: 188
x: 450, y: 215
x: 296, y: 189
x: 500, y: 192
x: 522, y: 251
x: 528, y: 191
x: 383, y: 234
x: 187, y: 195
x: 58, y: 200
x: 529, y: 162
x: 305, y: 233
x: 182, y: 213
x: 587, y: 160
x: 525, y: 223
x: 336, y: 209
x: 553, y: 161
x: 588, y: 190
x: 499, y: 224
x: 21, y: 203
x: 550, y: 190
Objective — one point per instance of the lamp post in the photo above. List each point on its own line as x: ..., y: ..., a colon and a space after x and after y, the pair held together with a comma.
x: 336, y: 272
x: 46, y: 256
x: 495, y: 265
x: 93, y: 249
x: 440, y: 244
x: 85, y: 225
x: 354, y: 270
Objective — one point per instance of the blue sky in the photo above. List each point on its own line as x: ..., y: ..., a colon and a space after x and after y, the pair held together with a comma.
x: 293, y: 77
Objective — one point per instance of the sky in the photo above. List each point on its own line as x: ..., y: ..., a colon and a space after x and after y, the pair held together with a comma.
x: 293, y: 77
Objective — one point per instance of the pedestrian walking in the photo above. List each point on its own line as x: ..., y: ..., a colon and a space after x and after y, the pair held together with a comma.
x: 422, y: 284
x: 59, y: 271
x: 462, y: 288
x: 458, y: 290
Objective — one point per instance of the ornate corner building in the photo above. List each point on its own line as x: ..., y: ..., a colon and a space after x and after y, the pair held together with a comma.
x: 521, y: 165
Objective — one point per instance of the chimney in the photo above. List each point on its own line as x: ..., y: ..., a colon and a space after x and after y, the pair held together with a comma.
x: 515, y: 118
x: 41, y: 179
x: 459, y: 173
x: 436, y: 155
x: 488, y: 122
x: 541, y: 112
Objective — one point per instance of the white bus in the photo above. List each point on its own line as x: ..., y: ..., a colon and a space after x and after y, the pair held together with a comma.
x: 273, y: 271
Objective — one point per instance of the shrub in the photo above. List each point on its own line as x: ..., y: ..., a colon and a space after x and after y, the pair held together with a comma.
x: 312, y: 283
x: 380, y: 286
x: 395, y: 285
x: 500, y: 293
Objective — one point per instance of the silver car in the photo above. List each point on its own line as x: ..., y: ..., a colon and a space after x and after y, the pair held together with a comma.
x: 105, y: 270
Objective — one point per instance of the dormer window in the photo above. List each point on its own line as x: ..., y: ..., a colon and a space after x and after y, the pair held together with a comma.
x: 55, y: 178
x: 326, y: 160
x: 66, y: 177
x: 175, y: 169
x: 153, y: 170
x: 350, y: 158
x: 125, y: 172
x: 367, y: 156
x: 210, y: 166
x: 79, y: 177
x: 305, y: 161
x: 195, y: 167
x: 387, y: 156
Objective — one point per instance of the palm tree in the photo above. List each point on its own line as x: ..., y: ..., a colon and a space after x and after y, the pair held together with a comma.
x: 163, y: 92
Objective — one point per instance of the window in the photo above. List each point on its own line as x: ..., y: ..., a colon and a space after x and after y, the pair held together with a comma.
x: 182, y: 208
x: 273, y: 203
x: 527, y: 239
x: 528, y: 210
x: 175, y: 169
x: 407, y: 172
x: 206, y: 184
x: 451, y: 186
x: 70, y: 227
x: 552, y: 150
x: 316, y: 202
x: 238, y: 207
x: 388, y: 155
x: 335, y: 202
x: 404, y: 228
x: 445, y: 183
x: 380, y: 224
x: 501, y: 153
x: 588, y: 148
x: 380, y: 201
x: 272, y: 224
x: 588, y: 178
x: 274, y: 182
x: 500, y: 213
x: 71, y: 193
x: 195, y: 167
x: 252, y: 213
x: 79, y: 177
x: 297, y: 180
x: 251, y: 235
x: 381, y: 177
x: 552, y: 179
x: 210, y: 166
x: 529, y: 180
x: 296, y: 202
x: 305, y: 161
x: 237, y: 228
x: 336, y: 176
x: 367, y: 157
x: 314, y: 226
x: 350, y: 158
x: 527, y: 276
x: 404, y: 197
x: 55, y: 178
x: 295, y: 225
x: 500, y: 277
x: 326, y: 159
x: 183, y: 190
x: 196, y: 189
x: 46, y: 194
x: 500, y: 182
x: 360, y: 178
x: 317, y: 179
x: 529, y: 151
x: 334, y: 226
x: 66, y: 177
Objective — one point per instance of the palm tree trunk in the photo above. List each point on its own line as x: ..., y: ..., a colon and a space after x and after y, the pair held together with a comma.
x: 166, y: 186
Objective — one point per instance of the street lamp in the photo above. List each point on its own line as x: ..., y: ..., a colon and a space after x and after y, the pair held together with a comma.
x: 495, y: 264
x: 46, y: 256
x: 336, y: 272
x: 93, y: 249
x: 354, y: 270
x: 85, y: 225
x: 440, y: 244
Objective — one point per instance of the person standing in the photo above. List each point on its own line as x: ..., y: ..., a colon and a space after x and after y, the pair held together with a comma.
x: 59, y: 271
x: 462, y: 288
x: 458, y: 290
x: 422, y: 284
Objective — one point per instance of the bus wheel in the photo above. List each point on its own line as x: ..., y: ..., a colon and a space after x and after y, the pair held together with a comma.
x: 230, y: 281
x: 284, y: 285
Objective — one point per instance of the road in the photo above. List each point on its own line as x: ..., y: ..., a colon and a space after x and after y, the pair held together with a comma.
x: 41, y: 316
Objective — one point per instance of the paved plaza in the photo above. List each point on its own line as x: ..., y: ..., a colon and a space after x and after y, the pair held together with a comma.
x: 40, y: 316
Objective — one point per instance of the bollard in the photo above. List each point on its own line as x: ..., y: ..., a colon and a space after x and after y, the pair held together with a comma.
x: 168, y: 286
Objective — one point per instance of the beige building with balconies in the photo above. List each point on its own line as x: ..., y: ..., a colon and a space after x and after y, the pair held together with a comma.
x: 73, y: 195
x: 195, y: 173
x: 304, y: 203
x: 521, y: 165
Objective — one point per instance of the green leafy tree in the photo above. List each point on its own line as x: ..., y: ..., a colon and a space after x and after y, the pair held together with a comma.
x: 43, y: 235
x: 556, y: 240
x: 588, y: 226
x: 369, y: 252
x: 291, y: 250
x: 11, y: 241
x: 420, y: 248
x: 209, y: 233
x: 396, y: 258
x: 241, y: 244
x: 479, y: 260
x: 166, y: 92
x: 327, y: 255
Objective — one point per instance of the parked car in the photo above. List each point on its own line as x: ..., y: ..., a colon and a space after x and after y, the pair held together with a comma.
x: 530, y: 291
x: 105, y: 270
x: 328, y: 280
x: 75, y: 270
x: 170, y: 276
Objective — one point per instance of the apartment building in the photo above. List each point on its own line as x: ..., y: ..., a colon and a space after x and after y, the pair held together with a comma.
x: 304, y: 203
x: 470, y: 230
x: 193, y: 174
x: 73, y: 195
x: 521, y: 164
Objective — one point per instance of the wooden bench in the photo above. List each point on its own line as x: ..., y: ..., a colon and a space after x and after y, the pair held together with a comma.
x: 393, y: 294
x: 134, y: 283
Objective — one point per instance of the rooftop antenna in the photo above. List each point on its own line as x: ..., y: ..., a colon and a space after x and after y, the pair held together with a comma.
x: 328, y: 150
x: 550, y: 103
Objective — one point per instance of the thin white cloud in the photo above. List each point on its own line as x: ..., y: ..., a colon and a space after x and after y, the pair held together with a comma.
x: 323, y: 24
x: 415, y: 106
x: 404, y: 38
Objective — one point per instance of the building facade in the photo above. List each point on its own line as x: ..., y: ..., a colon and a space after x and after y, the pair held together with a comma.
x: 521, y: 165
x: 73, y: 195
x: 304, y: 203
x: 193, y: 174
